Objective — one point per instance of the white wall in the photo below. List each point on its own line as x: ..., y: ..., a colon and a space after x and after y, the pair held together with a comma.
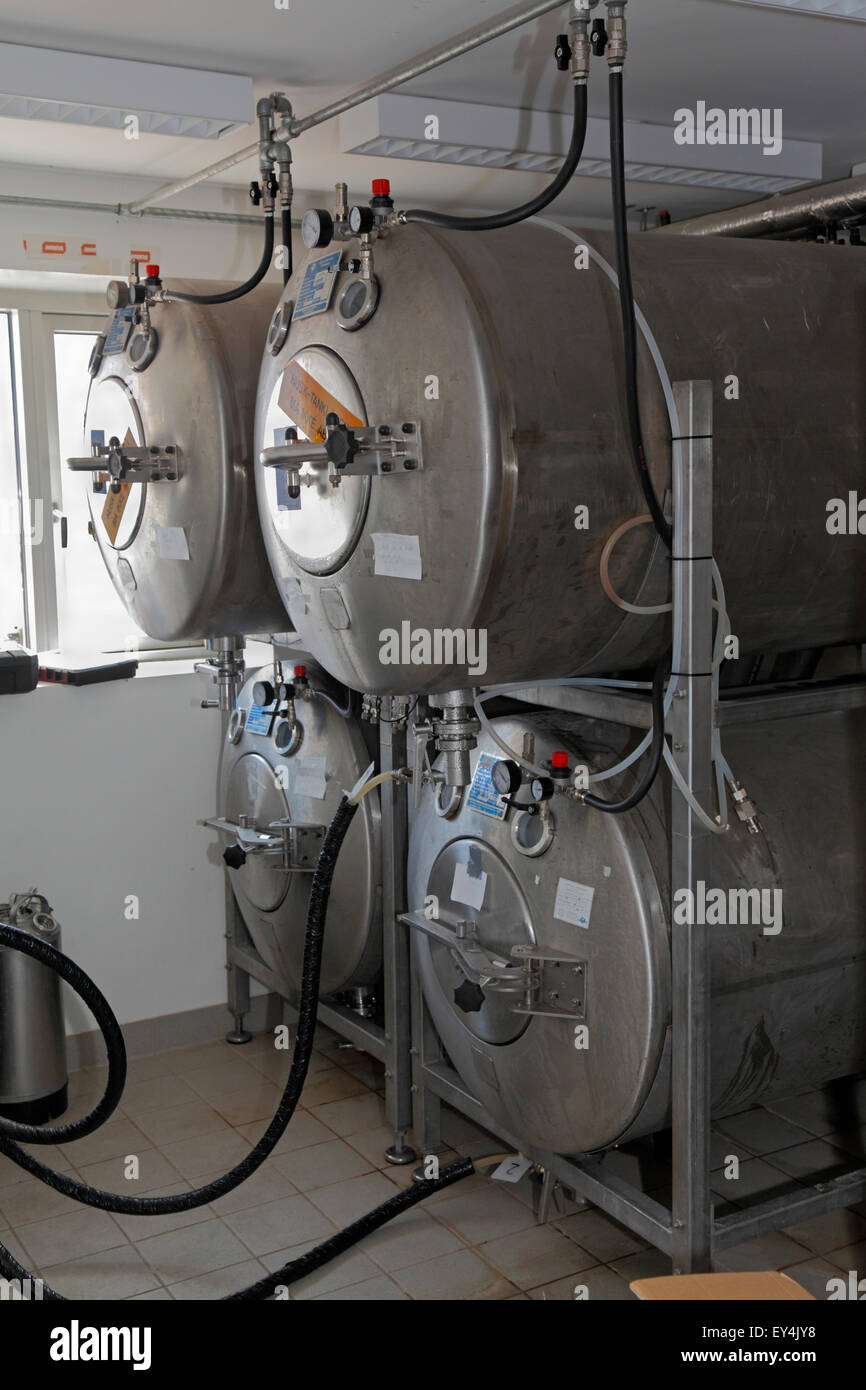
x: 101, y: 790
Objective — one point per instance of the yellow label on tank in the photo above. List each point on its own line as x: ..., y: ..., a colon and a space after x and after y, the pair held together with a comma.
x: 115, y: 502
x: 306, y: 402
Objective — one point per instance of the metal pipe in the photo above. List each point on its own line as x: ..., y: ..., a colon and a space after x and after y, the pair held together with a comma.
x: 783, y: 213
x: 394, y: 77
x: 116, y: 209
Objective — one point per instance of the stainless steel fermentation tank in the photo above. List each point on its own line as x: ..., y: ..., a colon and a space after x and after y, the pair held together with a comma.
x: 508, y: 358
x: 270, y: 774
x: 185, y: 552
x: 787, y: 1006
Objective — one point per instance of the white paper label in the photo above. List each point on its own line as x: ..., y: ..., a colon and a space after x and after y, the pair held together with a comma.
x: 512, y: 1169
x: 399, y: 557
x: 573, y: 903
x: 171, y: 543
x: 466, y: 888
x: 310, y: 779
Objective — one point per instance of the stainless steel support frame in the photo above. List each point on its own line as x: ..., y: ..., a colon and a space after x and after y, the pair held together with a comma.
x: 389, y: 1044
x: 690, y: 724
x: 688, y: 1232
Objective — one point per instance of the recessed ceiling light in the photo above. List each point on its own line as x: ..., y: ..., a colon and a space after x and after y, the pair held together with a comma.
x: 395, y: 126
x: 44, y: 84
x: 829, y: 9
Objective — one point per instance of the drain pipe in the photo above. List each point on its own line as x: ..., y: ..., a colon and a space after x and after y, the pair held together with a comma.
x: 782, y: 214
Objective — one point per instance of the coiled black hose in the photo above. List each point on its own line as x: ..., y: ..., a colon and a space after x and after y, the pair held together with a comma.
x: 239, y: 290
x: 314, y: 1259
x: 309, y: 997
x: 87, y: 991
x: 296, y: 1269
x: 626, y: 302
x: 616, y: 808
x: 535, y: 205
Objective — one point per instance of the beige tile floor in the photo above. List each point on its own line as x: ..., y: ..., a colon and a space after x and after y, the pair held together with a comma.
x: 189, y: 1114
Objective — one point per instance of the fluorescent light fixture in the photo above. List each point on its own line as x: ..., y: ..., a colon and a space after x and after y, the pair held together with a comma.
x: 395, y: 126
x: 44, y: 84
x: 829, y: 9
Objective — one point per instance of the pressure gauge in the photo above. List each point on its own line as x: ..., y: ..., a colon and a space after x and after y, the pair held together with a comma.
x: 361, y: 220
x: 505, y: 776
x: 263, y: 694
x: 541, y: 788
x: 317, y: 228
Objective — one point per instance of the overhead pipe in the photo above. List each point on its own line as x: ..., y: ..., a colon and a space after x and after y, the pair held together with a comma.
x: 783, y: 213
x: 394, y: 77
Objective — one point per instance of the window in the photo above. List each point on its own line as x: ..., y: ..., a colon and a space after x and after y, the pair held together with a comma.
x: 91, y: 615
x: 16, y: 528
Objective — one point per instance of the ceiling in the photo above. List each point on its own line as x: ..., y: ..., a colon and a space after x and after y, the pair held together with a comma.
x: 679, y: 51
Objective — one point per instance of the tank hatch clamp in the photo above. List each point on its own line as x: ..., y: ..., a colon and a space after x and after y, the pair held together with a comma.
x: 294, y: 847
x: 364, y: 451
x: 130, y: 463
x: 551, y: 984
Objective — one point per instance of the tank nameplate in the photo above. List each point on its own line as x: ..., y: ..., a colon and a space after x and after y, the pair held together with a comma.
x: 118, y: 334
x: 317, y: 286
x: 483, y: 796
x: 258, y: 720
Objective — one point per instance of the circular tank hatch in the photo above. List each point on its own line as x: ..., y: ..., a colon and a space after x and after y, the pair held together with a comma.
x: 489, y: 899
x: 321, y: 528
x: 252, y: 790
x: 112, y: 413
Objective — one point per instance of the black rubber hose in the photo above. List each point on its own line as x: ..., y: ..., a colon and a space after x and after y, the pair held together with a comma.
x: 535, y: 205
x: 626, y: 301
x: 616, y: 808
x: 239, y: 290
x: 17, y: 940
x: 320, y: 892
x: 314, y: 1259
x: 286, y: 233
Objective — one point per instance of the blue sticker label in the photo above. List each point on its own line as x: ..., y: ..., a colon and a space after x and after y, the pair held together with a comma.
x: 99, y: 484
x: 317, y: 286
x: 258, y: 720
x: 285, y: 503
x: 483, y: 796
x: 118, y: 334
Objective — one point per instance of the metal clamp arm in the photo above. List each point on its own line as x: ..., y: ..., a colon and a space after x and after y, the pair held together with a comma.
x: 130, y: 463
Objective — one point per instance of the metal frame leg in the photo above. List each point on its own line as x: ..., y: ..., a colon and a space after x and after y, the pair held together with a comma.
x: 238, y: 980
x: 690, y: 724
x: 395, y: 832
x: 426, y: 1050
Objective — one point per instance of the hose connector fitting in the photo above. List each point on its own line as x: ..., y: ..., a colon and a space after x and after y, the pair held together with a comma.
x: 581, y: 52
x: 617, y: 45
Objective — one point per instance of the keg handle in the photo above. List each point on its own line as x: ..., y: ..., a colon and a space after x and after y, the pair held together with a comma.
x: 540, y: 976
x: 360, y: 451
x: 130, y: 463
x: 296, y: 846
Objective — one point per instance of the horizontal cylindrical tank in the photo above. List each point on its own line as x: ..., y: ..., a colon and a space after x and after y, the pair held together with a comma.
x: 269, y: 773
x: 185, y: 554
x: 502, y: 351
x: 589, y: 894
